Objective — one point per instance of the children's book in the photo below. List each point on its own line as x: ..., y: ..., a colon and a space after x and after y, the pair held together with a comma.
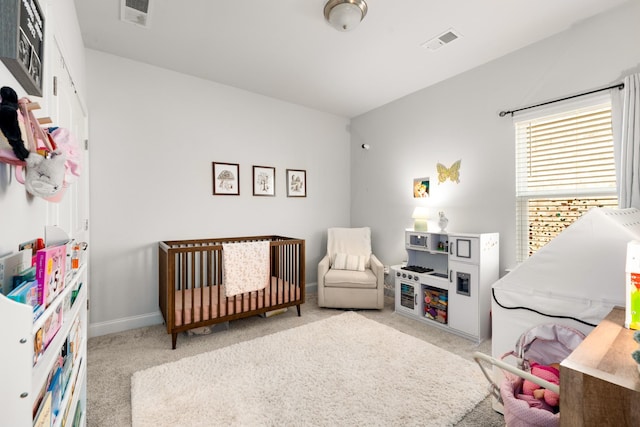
x: 25, y: 293
x: 50, y: 271
x: 52, y: 325
x: 56, y: 392
x: 43, y: 417
x: 75, y: 339
x: 37, y: 312
x: 38, y: 345
x: 35, y: 245
x: 78, y: 416
x: 66, y: 373
x: 26, y: 275
x: 11, y: 265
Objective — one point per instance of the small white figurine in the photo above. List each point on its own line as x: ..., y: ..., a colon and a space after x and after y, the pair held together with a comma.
x: 443, y: 221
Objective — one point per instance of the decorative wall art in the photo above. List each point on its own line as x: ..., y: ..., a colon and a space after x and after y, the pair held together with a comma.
x: 22, y: 42
x: 226, y: 179
x: 296, y: 183
x: 421, y: 187
x: 452, y: 173
x: 264, y: 181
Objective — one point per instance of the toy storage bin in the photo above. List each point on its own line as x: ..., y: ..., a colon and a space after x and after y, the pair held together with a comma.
x: 435, y: 303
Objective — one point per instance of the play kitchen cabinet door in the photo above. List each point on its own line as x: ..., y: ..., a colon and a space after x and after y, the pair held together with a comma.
x: 464, y: 248
x: 463, y: 297
x: 408, y: 300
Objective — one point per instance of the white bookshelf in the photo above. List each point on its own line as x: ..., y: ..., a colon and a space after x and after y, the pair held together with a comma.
x: 22, y: 381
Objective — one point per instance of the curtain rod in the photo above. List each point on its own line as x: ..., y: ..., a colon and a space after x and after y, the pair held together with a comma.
x: 620, y: 86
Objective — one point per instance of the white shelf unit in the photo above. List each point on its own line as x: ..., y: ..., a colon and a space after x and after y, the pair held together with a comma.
x: 455, y: 294
x: 22, y: 382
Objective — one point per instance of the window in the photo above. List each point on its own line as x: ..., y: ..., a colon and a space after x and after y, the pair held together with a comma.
x: 564, y: 166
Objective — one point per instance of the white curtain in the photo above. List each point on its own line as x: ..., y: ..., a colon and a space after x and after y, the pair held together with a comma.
x: 626, y: 139
x: 626, y: 135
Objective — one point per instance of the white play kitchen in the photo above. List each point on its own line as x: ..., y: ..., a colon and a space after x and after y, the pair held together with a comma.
x: 447, y: 280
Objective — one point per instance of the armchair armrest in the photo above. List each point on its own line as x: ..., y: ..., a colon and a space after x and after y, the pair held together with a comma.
x: 378, y: 269
x: 323, y: 268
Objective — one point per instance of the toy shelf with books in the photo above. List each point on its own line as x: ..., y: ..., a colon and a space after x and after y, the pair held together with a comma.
x: 44, y: 360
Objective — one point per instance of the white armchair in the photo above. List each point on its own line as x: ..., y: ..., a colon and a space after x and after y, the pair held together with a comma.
x: 349, y: 275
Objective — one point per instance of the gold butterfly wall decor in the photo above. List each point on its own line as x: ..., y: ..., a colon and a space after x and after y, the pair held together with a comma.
x: 453, y: 173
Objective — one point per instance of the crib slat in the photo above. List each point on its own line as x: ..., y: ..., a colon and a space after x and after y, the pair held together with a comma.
x: 219, y: 282
x: 201, y: 282
x: 210, y: 281
x: 182, y: 272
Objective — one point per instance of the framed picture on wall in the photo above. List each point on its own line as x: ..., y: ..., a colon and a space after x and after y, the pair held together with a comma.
x: 264, y: 181
x: 296, y: 183
x: 420, y: 187
x: 226, y: 179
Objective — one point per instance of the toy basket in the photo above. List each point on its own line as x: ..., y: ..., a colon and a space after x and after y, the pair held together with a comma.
x: 545, y: 344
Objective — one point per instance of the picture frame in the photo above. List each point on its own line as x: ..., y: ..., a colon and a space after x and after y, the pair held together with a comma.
x: 226, y: 179
x: 421, y: 187
x: 296, y: 183
x: 264, y: 181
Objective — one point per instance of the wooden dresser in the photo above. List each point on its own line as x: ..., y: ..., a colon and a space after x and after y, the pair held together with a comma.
x: 600, y: 382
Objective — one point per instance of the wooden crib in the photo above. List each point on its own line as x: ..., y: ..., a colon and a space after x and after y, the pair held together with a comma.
x: 191, y: 289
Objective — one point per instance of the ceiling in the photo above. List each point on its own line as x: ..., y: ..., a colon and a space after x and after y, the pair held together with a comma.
x: 285, y: 49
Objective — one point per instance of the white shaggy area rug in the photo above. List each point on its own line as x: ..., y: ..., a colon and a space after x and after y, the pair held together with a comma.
x: 344, y: 370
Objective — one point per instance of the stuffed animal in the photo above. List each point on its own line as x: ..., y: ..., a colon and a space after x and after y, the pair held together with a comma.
x: 45, y: 175
x: 9, y: 124
x: 550, y: 373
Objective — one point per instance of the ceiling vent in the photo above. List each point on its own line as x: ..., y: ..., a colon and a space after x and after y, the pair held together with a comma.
x: 444, y: 38
x: 135, y: 12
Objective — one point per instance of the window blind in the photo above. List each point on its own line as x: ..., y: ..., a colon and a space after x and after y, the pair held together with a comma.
x: 564, y: 166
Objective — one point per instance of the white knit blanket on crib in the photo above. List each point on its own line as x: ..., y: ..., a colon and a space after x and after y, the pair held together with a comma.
x: 246, y: 266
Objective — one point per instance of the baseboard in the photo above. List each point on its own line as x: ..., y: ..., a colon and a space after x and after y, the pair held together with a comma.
x: 124, y: 324
x: 311, y: 288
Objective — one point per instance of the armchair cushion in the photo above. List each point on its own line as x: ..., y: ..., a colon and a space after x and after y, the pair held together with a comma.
x: 353, y: 241
x: 349, y: 262
x: 350, y: 279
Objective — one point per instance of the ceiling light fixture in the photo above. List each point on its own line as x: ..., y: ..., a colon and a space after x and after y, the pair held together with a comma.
x: 345, y: 15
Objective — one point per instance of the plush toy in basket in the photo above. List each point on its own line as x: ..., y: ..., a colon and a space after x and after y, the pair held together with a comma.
x: 550, y: 373
x: 529, y: 392
x: 540, y: 394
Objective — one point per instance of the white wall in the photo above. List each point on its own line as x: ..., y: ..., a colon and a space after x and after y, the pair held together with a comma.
x: 458, y: 119
x: 153, y: 136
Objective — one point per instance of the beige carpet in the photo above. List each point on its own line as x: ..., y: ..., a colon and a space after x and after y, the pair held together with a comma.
x: 343, y: 370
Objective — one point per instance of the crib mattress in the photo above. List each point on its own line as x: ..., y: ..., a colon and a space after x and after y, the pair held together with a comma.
x: 203, y: 303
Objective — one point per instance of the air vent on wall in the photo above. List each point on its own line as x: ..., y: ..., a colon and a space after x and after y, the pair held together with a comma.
x: 135, y: 12
x: 444, y: 38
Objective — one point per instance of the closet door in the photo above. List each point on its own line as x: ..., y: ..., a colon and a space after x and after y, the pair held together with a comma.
x: 72, y: 213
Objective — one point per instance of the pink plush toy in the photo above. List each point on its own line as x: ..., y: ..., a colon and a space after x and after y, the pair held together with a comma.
x: 550, y: 373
